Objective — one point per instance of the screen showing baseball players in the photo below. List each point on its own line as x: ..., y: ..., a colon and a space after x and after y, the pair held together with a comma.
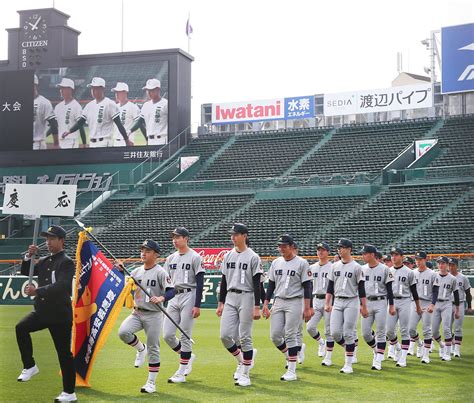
x: 122, y: 105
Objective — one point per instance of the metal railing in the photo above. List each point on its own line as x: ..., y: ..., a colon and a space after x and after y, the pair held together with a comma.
x: 452, y: 173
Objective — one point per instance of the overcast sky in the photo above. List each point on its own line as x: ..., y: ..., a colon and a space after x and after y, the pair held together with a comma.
x: 260, y: 49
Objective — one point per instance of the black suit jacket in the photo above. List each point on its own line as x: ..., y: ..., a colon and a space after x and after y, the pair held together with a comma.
x: 53, y: 295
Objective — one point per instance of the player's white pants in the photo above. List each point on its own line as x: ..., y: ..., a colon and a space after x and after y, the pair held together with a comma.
x: 343, y: 323
x: 319, y: 313
x: 378, y: 314
x: 39, y: 145
x: 237, y: 319
x: 285, y: 321
x: 120, y: 142
x: 151, y: 322
x: 69, y: 142
x: 425, y: 317
x: 457, y: 323
x: 105, y: 142
x: 180, y: 309
x: 155, y: 140
x: 402, y: 316
x: 442, y: 314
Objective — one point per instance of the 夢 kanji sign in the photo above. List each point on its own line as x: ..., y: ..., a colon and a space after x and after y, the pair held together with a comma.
x: 40, y: 200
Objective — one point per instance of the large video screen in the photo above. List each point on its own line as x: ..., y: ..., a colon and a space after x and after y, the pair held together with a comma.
x: 97, y: 106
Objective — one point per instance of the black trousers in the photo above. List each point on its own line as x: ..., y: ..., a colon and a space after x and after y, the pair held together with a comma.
x: 61, y: 334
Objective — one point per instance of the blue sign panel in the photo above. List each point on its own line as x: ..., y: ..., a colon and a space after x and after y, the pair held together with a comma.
x: 299, y: 107
x: 457, y: 45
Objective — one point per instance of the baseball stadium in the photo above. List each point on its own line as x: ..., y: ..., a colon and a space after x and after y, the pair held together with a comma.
x: 253, y: 204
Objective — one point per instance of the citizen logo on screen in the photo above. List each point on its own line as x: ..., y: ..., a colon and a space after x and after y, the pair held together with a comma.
x: 34, y: 44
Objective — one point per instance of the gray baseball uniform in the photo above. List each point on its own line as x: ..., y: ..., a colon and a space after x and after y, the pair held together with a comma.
x: 376, y: 280
x: 463, y: 286
x: 146, y: 315
x: 426, y: 280
x: 182, y: 268
x: 287, y: 309
x: 239, y: 268
x: 404, y: 278
x: 320, y: 284
x: 444, y: 306
x: 346, y: 278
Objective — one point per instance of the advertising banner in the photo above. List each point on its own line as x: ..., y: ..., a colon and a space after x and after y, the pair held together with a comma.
x: 212, y: 257
x: 422, y: 146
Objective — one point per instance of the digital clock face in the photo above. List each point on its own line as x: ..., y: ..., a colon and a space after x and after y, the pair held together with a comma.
x: 34, y: 27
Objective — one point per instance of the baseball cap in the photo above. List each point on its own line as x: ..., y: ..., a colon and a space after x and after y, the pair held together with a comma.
x: 97, y: 82
x: 180, y: 231
x: 453, y: 260
x: 35, y: 79
x: 151, y: 244
x: 286, y: 240
x: 120, y: 87
x: 368, y: 248
x: 151, y: 84
x: 409, y: 259
x: 54, y: 230
x: 421, y: 255
x: 323, y: 245
x: 239, y: 228
x: 396, y: 251
x: 378, y: 255
x: 386, y: 258
x: 443, y: 259
x: 66, y: 82
x: 429, y: 265
x: 344, y: 243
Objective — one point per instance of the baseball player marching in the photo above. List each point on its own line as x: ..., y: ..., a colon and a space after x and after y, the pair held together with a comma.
x: 100, y: 115
x: 290, y: 279
x: 464, y: 289
x: 239, y: 301
x: 404, y: 286
x: 43, y: 115
x: 378, y: 288
x: 187, y: 274
x: 448, y: 290
x: 320, y: 272
x: 346, y: 285
x: 427, y: 289
x: 146, y: 314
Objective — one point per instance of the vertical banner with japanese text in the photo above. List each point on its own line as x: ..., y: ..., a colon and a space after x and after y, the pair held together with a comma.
x: 99, y: 295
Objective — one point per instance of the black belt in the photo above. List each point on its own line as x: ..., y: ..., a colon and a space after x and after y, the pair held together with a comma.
x: 97, y: 140
x: 400, y: 297
x: 320, y: 296
x: 155, y: 137
x: 376, y: 298
x: 443, y: 300
x: 345, y: 297
x: 183, y: 290
x: 237, y: 291
x: 143, y: 309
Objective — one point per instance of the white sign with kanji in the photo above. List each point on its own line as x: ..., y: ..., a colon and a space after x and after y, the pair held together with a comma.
x: 40, y: 200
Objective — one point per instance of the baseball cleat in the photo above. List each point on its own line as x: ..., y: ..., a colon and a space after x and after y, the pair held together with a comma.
x: 346, y: 369
x: 401, y: 363
x: 66, y: 397
x: 419, y: 352
x: 27, y: 374
x: 189, y: 367
x: 376, y: 365
x: 411, y: 348
x: 441, y: 352
x: 244, y: 380
x: 289, y: 376
x: 238, y: 371
x: 321, y: 348
x: 391, y: 351
x: 177, y: 378
x: 140, y: 357
x: 425, y: 360
x: 398, y: 354
x: 253, y: 358
x: 327, y: 362
x: 456, y: 354
x: 446, y: 357
x: 301, y: 354
x: 149, y: 387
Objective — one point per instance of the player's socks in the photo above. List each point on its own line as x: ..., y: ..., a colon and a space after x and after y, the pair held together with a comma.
x: 153, y: 370
x: 136, y: 344
x: 283, y: 348
x: 380, y: 351
x: 372, y: 343
x: 341, y: 342
x: 317, y: 336
x: 292, y: 357
x: 184, y: 361
x: 247, y: 361
x: 349, y: 353
x: 177, y: 349
x: 237, y: 353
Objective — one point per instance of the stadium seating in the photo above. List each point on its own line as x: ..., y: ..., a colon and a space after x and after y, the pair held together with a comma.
x: 266, y: 155
x: 395, y: 212
x: 267, y: 219
x: 364, y: 148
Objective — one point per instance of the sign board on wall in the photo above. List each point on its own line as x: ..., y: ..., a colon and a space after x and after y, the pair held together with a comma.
x: 380, y: 100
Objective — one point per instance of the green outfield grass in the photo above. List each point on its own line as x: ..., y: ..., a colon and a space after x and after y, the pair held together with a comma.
x: 115, y: 379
